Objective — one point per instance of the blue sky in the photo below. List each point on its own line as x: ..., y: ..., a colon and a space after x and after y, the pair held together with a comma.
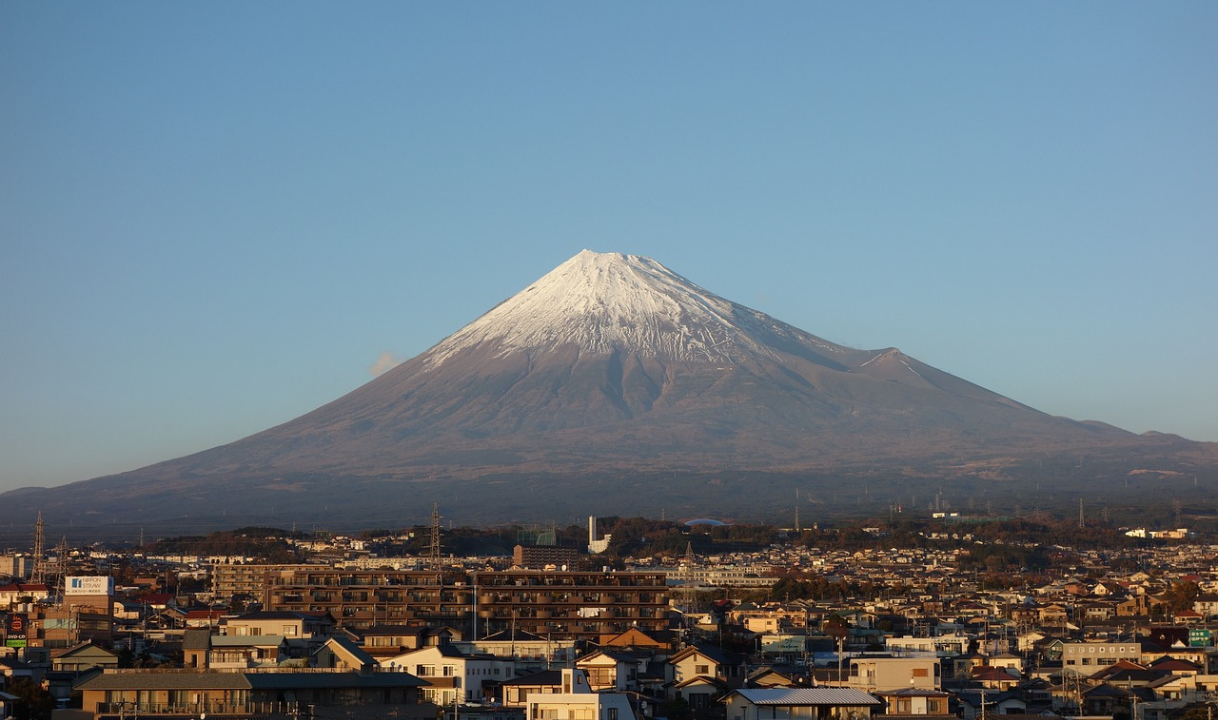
x: 215, y: 217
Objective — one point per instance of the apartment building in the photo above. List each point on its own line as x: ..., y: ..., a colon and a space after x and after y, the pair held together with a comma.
x: 361, y: 599
x: 574, y: 605
x: 233, y: 580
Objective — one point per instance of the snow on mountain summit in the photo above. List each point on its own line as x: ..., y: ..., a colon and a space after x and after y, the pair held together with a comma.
x: 602, y: 303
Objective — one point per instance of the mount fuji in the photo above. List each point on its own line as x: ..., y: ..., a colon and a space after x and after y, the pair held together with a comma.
x: 613, y: 385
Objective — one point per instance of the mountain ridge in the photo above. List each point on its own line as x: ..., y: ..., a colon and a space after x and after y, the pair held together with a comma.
x: 612, y: 365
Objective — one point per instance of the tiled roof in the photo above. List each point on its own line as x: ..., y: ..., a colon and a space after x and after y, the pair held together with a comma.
x: 166, y: 681
x: 808, y: 696
x: 246, y: 681
x: 218, y: 641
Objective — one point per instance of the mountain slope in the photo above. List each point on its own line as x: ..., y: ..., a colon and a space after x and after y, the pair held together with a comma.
x: 612, y: 366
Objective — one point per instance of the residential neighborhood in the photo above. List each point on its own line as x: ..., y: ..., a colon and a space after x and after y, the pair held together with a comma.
x: 857, y: 623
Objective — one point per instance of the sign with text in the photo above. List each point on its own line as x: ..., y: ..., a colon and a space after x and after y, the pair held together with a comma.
x: 1198, y: 637
x: 88, y: 585
x: 14, y: 628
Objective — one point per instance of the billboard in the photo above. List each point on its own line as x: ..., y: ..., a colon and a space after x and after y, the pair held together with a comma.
x: 88, y: 585
x: 14, y: 630
x: 1198, y: 637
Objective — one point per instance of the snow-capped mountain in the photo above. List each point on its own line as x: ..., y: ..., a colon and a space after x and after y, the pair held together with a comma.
x: 614, y: 385
x: 604, y: 303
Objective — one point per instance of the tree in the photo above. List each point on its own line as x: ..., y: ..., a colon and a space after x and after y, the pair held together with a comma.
x: 34, y: 702
x: 1181, y: 595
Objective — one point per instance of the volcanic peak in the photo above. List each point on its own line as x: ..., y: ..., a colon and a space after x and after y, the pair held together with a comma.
x: 602, y: 303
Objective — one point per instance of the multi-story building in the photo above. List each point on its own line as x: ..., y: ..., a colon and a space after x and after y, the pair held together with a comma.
x: 1088, y: 658
x: 233, y: 580
x: 18, y: 567
x: 579, y: 605
x: 361, y: 599
x: 537, y: 557
x: 547, y: 603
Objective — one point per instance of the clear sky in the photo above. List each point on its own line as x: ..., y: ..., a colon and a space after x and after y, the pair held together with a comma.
x: 217, y: 216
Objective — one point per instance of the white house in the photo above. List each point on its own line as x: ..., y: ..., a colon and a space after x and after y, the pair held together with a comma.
x: 577, y: 701
x: 454, y: 676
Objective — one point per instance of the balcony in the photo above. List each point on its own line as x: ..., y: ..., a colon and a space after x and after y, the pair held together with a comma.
x: 241, y: 709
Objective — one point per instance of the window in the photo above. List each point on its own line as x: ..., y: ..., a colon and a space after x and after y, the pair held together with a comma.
x: 702, y: 669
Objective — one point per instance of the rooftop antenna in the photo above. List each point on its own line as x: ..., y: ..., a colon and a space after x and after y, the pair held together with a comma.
x: 39, y: 563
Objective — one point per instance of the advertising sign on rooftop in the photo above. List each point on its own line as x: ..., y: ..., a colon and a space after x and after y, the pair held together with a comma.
x: 88, y: 585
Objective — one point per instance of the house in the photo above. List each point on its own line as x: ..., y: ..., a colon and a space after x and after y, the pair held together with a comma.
x: 612, y: 669
x: 235, y: 652
x: 769, y: 677
x: 516, y: 691
x: 700, y: 692
x: 14, y: 593
x: 708, y: 661
x: 1206, y: 604
x: 979, y: 704
x: 799, y: 704
x: 81, y: 657
x: 12, y: 669
x: 636, y: 639
x: 911, y: 701
x: 196, y: 644
x: 202, y: 618
x: 1105, y: 699
x: 532, y: 653
x: 577, y: 701
x: 343, y: 654
x: 285, y: 623
x: 994, y: 678
x: 454, y: 676
x: 382, y: 641
x: 874, y: 674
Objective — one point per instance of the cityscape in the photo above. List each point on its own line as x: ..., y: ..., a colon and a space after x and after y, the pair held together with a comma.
x: 608, y: 361
x: 943, y: 615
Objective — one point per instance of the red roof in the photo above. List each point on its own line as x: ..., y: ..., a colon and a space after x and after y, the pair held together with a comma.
x: 25, y: 587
